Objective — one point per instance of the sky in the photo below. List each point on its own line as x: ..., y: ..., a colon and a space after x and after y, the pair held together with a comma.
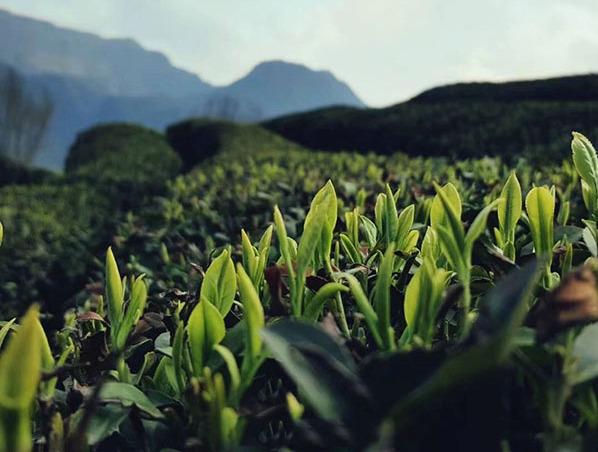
x: 386, y: 50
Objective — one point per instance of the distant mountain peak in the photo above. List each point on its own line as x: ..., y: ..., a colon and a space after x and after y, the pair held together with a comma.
x: 284, y: 65
x: 283, y: 84
x: 286, y: 68
x: 92, y: 79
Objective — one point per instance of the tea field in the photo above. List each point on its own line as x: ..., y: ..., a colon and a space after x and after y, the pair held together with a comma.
x: 161, y: 298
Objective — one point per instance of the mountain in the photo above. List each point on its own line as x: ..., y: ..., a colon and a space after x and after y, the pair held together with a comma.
x: 92, y: 80
x: 530, y: 118
x: 284, y: 87
x: 112, y: 66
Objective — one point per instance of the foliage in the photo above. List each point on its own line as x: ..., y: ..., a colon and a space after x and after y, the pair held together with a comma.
x: 13, y: 173
x: 580, y: 88
x: 196, y: 140
x: 431, y: 308
x: 537, y: 129
x: 59, y: 223
x: 52, y: 232
x: 129, y: 156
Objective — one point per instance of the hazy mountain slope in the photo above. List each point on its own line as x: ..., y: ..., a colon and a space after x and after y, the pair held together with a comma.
x: 93, y: 80
x: 114, y: 66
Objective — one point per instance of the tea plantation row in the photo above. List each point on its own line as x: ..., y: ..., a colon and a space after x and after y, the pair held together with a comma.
x: 291, y: 298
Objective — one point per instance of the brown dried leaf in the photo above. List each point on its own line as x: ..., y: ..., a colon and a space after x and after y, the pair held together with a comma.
x: 573, y: 302
x: 90, y: 316
x: 278, y: 289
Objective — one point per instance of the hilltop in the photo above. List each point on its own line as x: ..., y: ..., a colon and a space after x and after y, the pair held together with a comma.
x: 528, y: 118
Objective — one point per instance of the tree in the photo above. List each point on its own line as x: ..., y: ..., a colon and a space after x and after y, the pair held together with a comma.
x: 24, y: 117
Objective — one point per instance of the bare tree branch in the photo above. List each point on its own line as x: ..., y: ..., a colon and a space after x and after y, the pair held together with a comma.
x: 24, y: 117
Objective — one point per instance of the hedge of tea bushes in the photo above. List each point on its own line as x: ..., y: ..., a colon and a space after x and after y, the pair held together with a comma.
x: 205, y: 209
x: 443, y: 318
x: 57, y: 224
x: 50, y: 232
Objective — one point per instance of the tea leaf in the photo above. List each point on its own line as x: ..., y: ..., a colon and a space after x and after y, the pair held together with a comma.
x: 451, y: 250
x: 364, y: 306
x: 231, y: 365
x: 379, y: 212
x: 509, y: 210
x: 177, y: 356
x: 324, y: 294
x: 369, y: 229
x: 128, y: 395
x: 205, y: 329
x: 423, y: 297
x: 316, y: 240
x: 229, y: 419
x: 390, y: 217
x: 430, y: 245
x: 318, y: 365
x: 254, y: 314
x: 438, y: 213
x: 539, y: 205
x: 382, y: 296
x: 249, y: 253
x: 114, y: 290
x: 352, y: 223
x: 219, y: 285
x: 105, y: 421
x: 350, y: 249
x: 283, y: 241
x: 479, y: 225
x: 504, y: 309
x: 263, y: 254
x: 5, y: 330
x: 450, y: 215
x: 21, y: 363
x: 405, y: 223
x: 295, y: 408
x: 586, y: 164
x: 133, y: 312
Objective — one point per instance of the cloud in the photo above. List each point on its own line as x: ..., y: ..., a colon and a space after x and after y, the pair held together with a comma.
x: 387, y: 50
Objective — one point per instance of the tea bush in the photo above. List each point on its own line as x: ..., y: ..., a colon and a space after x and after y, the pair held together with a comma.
x: 53, y: 231
x: 448, y: 127
x: 130, y: 157
x: 205, y: 209
x: 410, y: 315
x: 196, y: 140
x: 13, y: 173
x: 57, y: 223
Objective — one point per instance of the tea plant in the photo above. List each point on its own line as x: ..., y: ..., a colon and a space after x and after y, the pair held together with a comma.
x: 417, y: 318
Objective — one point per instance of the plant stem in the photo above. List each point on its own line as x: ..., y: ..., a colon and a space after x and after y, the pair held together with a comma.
x: 340, y: 311
x: 559, y: 391
x: 297, y: 297
x: 339, y: 308
x: 124, y: 374
x: 466, y: 321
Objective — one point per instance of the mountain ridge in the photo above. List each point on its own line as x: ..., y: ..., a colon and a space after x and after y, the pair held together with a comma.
x: 576, y: 87
x: 94, y: 79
